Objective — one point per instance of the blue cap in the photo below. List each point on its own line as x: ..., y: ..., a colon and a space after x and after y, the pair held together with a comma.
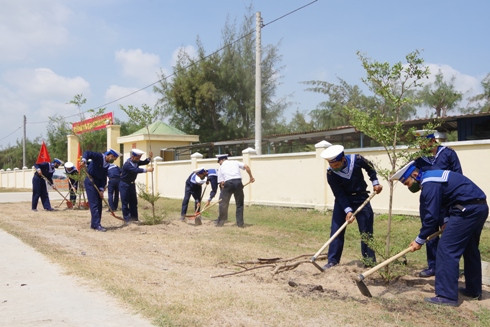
x: 137, y: 152
x: 427, y: 133
x: 113, y: 152
x: 58, y: 161
x: 404, y: 172
x: 200, y: 171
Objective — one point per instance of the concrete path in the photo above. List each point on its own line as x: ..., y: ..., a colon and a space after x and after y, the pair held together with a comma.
x: 36, y: 292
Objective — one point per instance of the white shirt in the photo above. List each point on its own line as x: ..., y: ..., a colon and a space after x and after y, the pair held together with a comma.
x: 230, y: 169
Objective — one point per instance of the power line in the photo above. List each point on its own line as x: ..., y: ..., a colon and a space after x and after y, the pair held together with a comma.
x: 3, y: 138
x: 172, y: 74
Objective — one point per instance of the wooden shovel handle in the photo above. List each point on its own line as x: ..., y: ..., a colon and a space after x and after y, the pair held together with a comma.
x: 393, y: 258
x: 342, y: 227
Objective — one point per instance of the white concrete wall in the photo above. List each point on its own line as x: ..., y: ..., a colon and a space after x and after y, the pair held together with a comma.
x: 296, y: 179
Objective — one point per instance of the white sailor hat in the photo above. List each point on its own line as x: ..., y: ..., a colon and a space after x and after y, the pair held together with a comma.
x: 69, y: 164
x: 427, y: 133
x: 404, y: 172
x: 199, y: 171
x: 333, y: 153
x: 221, y: 157
x: 137, y: 152
x: 113, y: 152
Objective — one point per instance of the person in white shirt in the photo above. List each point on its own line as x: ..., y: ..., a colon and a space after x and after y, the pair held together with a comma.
x: 230, y: 181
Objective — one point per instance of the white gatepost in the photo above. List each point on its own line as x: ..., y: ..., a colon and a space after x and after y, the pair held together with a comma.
x: 322, y: 169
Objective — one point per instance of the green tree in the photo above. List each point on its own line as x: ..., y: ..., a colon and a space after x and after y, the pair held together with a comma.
x: 393, y: 87
x: 214, y: 95
x: 299, y: 124
x: 440, y: 96
x: 482, y: 101
x: 94, y: 141
x: 145, y: 116
x: 11, y: 157
x: 331, y: 112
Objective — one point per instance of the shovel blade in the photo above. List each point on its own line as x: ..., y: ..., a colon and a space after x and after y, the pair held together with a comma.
x: 317, y: 265
x: 69, y: 204
x: 362, y: 287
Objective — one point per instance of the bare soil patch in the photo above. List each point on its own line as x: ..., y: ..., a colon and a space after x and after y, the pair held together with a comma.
x: 165, y: 273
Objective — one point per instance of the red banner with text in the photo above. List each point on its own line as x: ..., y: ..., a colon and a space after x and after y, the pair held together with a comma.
x: 93, y: 124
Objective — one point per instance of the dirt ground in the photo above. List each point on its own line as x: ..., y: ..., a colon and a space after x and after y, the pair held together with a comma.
x: 167, y: 273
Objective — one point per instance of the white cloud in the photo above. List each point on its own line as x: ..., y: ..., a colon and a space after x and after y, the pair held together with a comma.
x: 466, y: 84
x: 42, y: 83
x: 129, y: 96
x: 27, y: 26
x: 136, y: 64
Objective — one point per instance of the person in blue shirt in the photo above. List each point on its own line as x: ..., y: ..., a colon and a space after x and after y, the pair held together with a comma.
x: 440, y: 158
x: 39, y: 188
x: 212, y: 178
x: 72, y: 171
x: 467, y: 213
x: 346, y: 180
x: 193, y: 187
x: 95, y: 183
x: 127, y: 188
x: 114, y: 175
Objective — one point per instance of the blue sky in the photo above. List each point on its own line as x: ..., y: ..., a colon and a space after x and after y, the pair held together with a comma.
x: 51, y: 50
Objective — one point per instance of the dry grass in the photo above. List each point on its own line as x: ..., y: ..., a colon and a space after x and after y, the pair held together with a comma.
x: 164, y: 271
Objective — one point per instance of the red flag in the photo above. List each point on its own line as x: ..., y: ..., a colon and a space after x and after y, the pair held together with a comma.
x: 79, y: 157
x: 43, y: 154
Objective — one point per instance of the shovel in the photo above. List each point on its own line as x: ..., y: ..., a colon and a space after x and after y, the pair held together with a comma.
x: 360, y: 279
x: 68, y: 202
x: 312, y: 260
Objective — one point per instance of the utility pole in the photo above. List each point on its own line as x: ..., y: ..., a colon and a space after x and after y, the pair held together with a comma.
x: 258, y: 84
x: 24, y: 145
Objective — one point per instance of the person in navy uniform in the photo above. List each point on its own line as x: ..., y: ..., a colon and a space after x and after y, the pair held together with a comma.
x: 440, y: 158
x: 212, y: 176
x: 230, y: 181
x: 127, y: 188
x: 95, y: 183
x: 71, y: 171
x: 39, y: 188
x: 193, y: 187
x: 114, y: 175
x: 468, y: 211
x: 346, y: 180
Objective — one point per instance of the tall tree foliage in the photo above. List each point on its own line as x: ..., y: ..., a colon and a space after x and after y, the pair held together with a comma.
x: 440, y: 95
x: 481, y: 102
x: 214, y: 95
x: 11, y: 157
x: 393, y: 87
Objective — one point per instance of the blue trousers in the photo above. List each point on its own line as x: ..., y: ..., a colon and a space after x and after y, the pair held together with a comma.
x: 95, y: 203
x: 129, y: 200
x: 461, y: 237
x: 232, y: 187
x: 40, y: 190
x: 364, y: 219
x: 195, y: 192
x: 113, y: 193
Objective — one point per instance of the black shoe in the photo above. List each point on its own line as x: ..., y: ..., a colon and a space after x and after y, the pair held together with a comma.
x: 329, y: 265
x: 441, y: 301
x: 464, y: 292
x: 100, y: 229
x: 219, y: 223
x: 429, y: 272
x: 50, y: 209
